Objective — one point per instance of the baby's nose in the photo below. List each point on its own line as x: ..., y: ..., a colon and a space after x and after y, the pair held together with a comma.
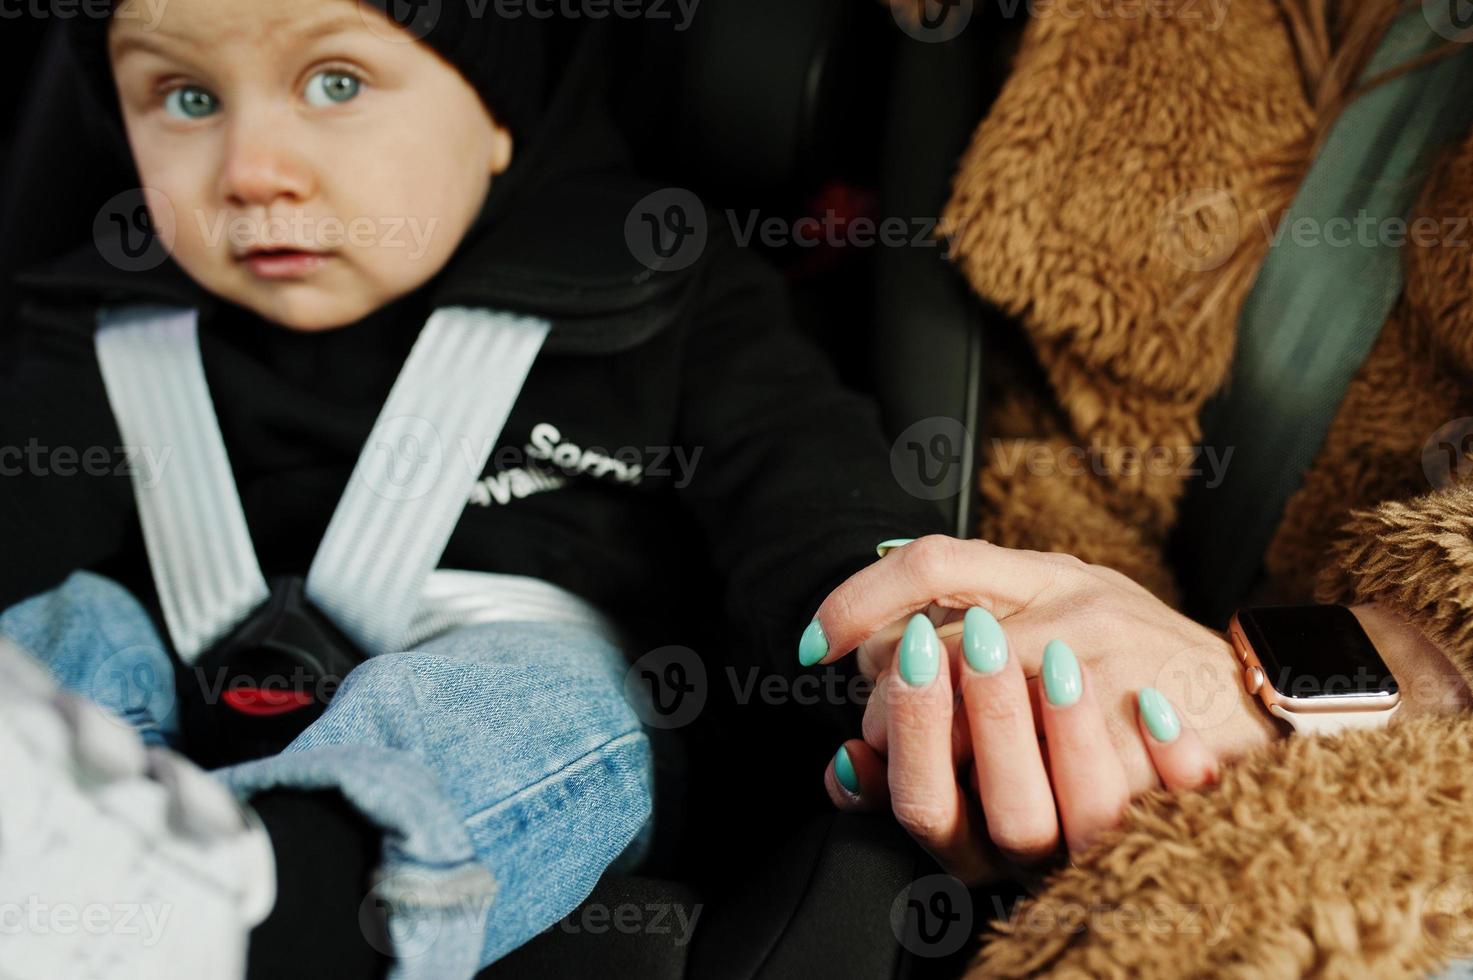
x: 261, y: 167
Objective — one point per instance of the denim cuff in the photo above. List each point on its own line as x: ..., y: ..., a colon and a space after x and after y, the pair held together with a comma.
x: 436, y: 894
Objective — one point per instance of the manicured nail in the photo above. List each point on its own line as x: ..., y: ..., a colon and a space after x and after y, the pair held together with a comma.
x: 844, y: 771
x: 814, y: 646
x: 1160, y: 717
x: 920, y: 652
x: 1062, y: 682
x: 885, y: 547
x: 983, y: 642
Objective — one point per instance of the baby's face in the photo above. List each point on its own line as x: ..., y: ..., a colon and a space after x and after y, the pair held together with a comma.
x: 306, y: 159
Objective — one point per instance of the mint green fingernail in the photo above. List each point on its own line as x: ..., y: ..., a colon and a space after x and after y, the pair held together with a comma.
x: 844, y: 770
x: 983, y: 642
x: 920, y: 652
x: 884, y: 547
x: 1062, y: 682
x: 1160, y: 717
x: 814, y: 646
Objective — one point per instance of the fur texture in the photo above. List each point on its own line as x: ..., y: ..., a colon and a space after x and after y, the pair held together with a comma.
x: 1348, y: 856
x: 1328, y: 857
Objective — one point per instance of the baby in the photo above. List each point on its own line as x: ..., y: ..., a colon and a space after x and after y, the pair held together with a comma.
x: 392, y: 253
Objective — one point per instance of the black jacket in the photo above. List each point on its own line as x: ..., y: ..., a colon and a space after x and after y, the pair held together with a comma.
x: 747, y: 448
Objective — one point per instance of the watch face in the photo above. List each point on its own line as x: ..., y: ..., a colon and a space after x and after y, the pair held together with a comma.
x: 1316, y: 651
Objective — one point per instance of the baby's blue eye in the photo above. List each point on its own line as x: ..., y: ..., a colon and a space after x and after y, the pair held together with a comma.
x: 331, y: 87
x: 190, y: 102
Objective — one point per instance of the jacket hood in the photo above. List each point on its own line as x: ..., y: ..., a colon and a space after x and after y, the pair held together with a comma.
x: 548, y: 241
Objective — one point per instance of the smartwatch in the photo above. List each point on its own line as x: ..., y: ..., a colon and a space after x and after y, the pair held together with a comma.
x: 1314, y: 667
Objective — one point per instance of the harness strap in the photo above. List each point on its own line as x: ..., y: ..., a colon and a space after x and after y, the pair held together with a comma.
x: 429, y: 445
x: 444, y: 415
x: 199, y: 546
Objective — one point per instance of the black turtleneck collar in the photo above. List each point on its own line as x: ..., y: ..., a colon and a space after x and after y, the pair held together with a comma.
x: 341, y: 363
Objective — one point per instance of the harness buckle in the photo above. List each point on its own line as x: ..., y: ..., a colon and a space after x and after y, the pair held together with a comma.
x: 267, y: 680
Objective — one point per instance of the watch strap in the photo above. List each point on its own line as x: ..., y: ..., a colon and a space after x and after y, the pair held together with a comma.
x: 1329, y: 722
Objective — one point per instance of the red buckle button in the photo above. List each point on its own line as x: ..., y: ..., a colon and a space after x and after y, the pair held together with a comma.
x: 266, y: 702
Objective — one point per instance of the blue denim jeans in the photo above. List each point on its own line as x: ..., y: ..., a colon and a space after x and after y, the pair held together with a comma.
x: 501, y: 760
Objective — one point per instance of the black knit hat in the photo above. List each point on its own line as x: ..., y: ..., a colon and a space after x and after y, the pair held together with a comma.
x: 501, y: 52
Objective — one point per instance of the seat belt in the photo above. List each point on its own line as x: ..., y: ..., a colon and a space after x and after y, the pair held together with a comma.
x: 199, y: 547
x: 404, y: 498
x: 268, y: 659
x: 1317, y: 308
x: 427, y: 449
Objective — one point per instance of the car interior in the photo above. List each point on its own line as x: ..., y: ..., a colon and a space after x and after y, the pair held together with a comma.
x: 791, y: 109
x: 775, y: 107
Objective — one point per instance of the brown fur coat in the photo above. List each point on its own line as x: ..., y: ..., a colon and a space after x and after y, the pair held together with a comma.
x: 1345, y: 856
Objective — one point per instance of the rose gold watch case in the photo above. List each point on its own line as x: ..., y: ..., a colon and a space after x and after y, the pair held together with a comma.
x: 1255, y: 680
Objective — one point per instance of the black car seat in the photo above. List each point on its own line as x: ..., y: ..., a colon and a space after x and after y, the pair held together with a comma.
x: 760, y: 104
x: 759, y: 107
x: 38, y: 227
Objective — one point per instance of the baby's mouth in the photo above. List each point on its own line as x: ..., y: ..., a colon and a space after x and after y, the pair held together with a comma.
x: 283, y: 262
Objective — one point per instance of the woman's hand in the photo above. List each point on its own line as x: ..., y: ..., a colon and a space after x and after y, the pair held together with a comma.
x: 1129, y: 638
x: 1073, y: 787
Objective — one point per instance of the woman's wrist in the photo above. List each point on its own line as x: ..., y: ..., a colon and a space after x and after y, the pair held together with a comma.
x: 1428, y: 680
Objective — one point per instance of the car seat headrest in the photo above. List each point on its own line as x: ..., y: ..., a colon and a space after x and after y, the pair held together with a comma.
x: 749, y: 98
